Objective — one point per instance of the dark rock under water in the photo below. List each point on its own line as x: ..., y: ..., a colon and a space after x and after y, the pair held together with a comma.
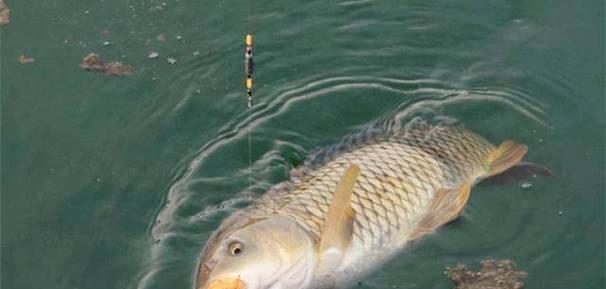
x: 493, y: 274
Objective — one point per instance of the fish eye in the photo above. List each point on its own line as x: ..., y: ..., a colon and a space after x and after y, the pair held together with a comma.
x: 235, y: 248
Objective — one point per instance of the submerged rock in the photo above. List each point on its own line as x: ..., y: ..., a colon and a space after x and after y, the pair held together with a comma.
x: 493, y: 274
x: 25, y: 59
x: 5, y: 14
x: 93, y: 62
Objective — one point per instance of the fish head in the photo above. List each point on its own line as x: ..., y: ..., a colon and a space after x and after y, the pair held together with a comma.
x: 262, y: 253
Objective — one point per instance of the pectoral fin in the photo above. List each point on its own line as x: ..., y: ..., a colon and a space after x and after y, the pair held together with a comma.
x: 338, y: 226
x: 445, y: 207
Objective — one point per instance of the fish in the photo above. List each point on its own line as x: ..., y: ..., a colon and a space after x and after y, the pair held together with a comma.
x: 352, y: 208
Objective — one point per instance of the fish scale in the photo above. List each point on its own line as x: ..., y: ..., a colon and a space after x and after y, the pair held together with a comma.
x: 401, y: 171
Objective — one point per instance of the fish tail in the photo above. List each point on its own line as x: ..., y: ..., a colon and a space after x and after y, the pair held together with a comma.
x: 507, y: 155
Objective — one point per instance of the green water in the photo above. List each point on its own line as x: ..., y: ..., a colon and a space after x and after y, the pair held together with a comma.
x: 116, y: 182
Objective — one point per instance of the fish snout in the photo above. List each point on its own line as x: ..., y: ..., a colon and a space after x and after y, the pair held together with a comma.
x: 227, y: 283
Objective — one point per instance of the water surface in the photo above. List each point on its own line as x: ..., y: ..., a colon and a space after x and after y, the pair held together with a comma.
x: 117, y: 182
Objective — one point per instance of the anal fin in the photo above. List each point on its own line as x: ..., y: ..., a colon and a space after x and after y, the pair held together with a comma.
x: 445, y: 207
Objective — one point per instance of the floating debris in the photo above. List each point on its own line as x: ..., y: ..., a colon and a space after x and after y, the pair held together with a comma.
x: 493, y: 274
x: 172, y: 60
x: 526, y: 185
x: 153, y: 55
x: 107, y: 43
x: 161, y: 37
x: 5, y: 14
x: 92, y: 62
x: 196, y: 53
x: 25, y: 59
x: 179, y: 37
x: 118, y: 68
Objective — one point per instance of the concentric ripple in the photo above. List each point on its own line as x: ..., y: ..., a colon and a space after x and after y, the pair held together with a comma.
x: 186, y: 210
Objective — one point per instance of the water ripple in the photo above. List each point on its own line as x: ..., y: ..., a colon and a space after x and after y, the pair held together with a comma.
x: 184, y: 208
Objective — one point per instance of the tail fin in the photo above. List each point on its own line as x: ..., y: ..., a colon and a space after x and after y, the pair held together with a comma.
x: 520, y: 172
x: 507, y: 155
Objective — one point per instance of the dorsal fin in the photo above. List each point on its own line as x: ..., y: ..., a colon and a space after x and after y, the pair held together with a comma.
x: 416, y: 130
x: 445, y: 207
x: 338, y: 226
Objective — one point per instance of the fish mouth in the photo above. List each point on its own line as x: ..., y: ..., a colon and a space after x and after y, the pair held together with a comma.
x: 227, y: 283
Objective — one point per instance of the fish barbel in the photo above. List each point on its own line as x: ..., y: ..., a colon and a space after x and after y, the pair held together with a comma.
x: 343, y: 215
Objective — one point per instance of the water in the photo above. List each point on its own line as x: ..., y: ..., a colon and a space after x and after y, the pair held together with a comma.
x: 116, y: 182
